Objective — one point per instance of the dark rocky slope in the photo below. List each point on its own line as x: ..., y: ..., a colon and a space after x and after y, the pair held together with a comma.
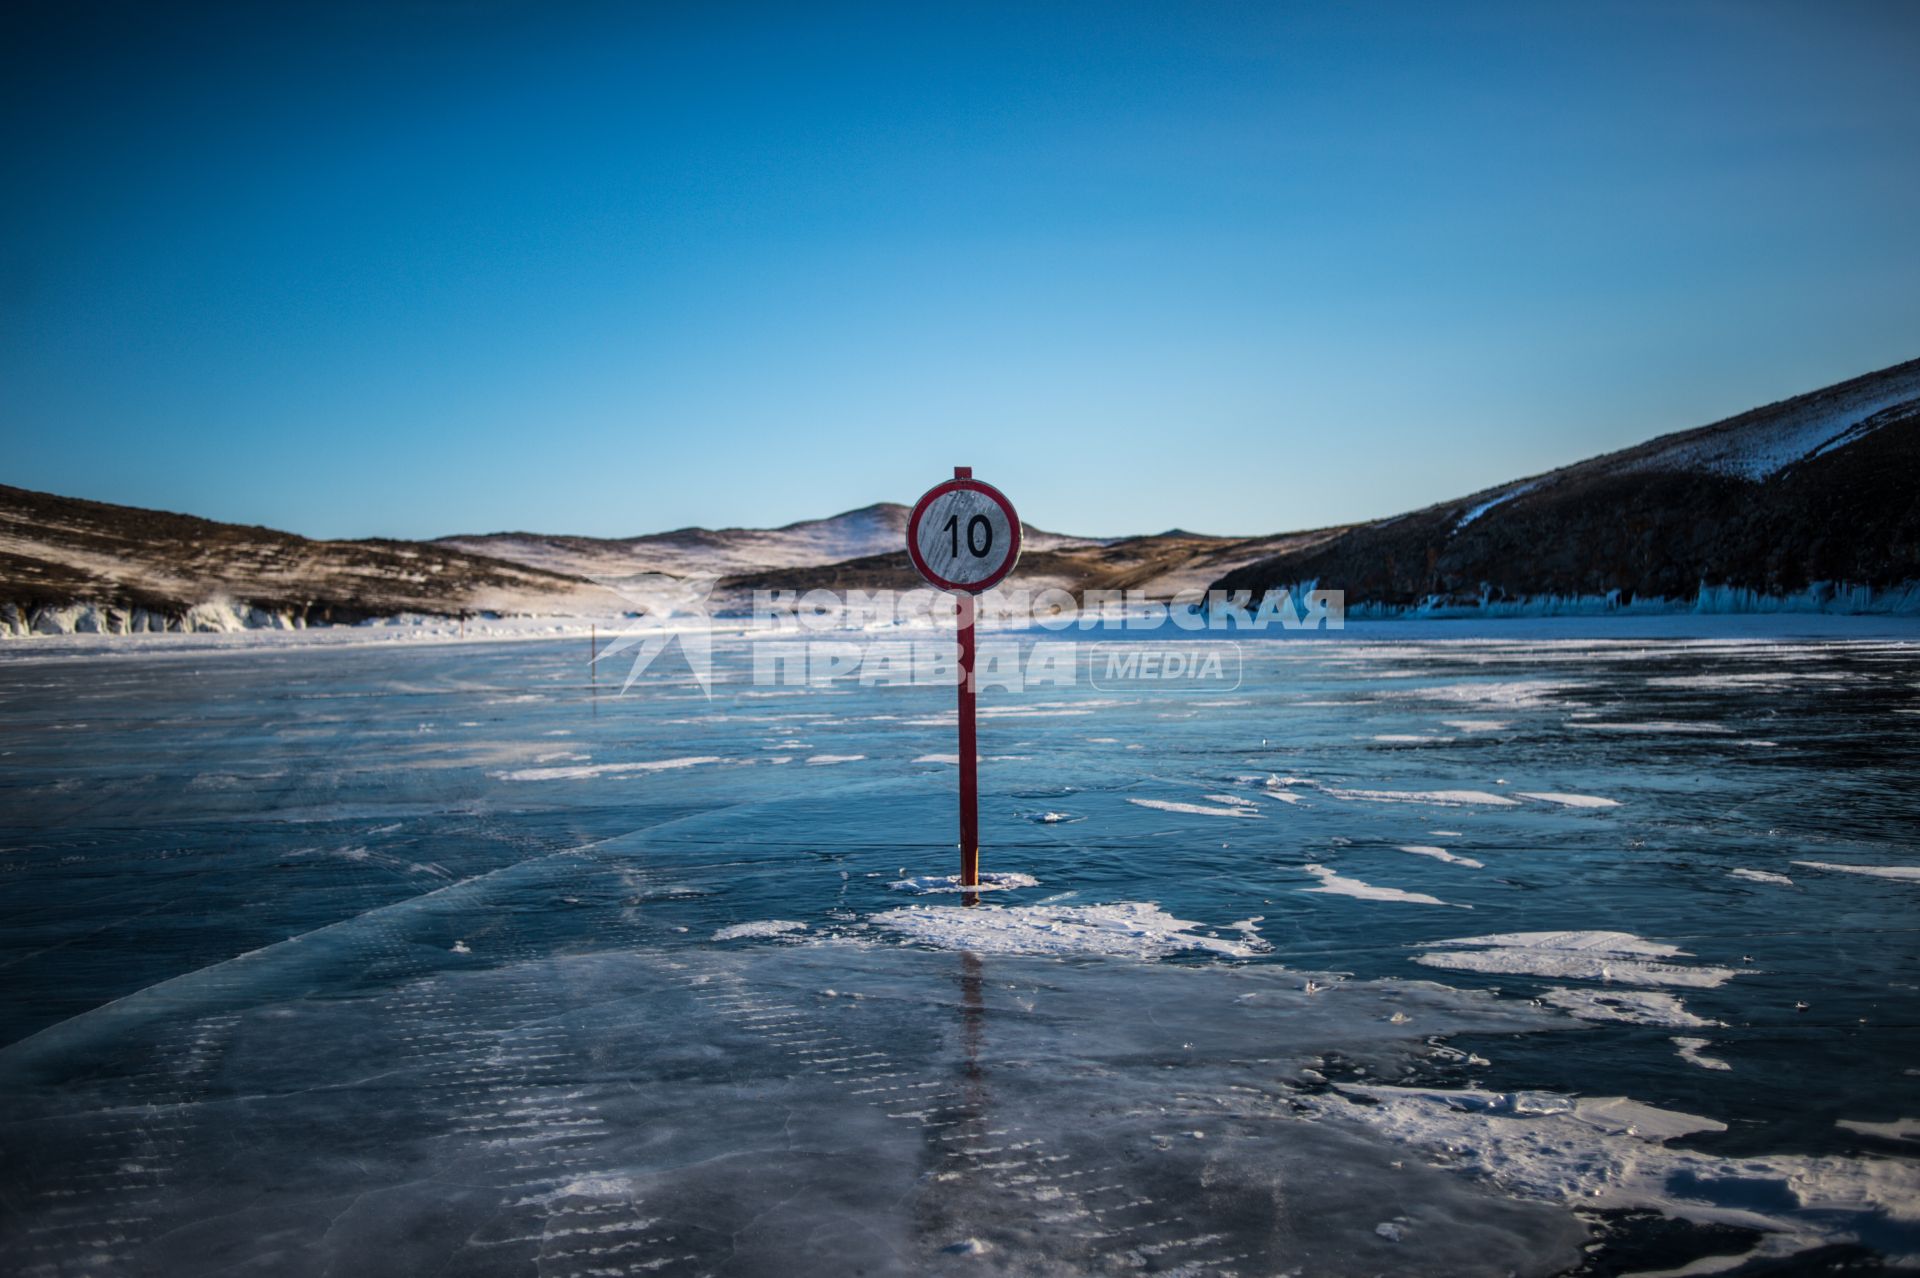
x: 1823, y: 488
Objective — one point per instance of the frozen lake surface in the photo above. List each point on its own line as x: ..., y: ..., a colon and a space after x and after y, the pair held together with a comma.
x: 1530, y: 952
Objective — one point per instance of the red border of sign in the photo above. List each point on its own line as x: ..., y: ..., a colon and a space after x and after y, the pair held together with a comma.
x: 954, y: 485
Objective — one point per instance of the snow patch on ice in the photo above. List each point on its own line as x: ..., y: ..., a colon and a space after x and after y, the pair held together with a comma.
x: 1126, y: 929
x: 1578, y: 956
x: 765, y: 927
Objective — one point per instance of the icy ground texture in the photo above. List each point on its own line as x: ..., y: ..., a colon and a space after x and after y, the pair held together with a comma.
x: 665, y: 1109
x: 429, y: 961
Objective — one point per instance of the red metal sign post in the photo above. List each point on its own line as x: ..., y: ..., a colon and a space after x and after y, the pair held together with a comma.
x: 969, y: 754
x: 964, y: 537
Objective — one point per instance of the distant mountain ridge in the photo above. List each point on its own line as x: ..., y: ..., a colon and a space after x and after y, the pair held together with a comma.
x: 1818, y: 493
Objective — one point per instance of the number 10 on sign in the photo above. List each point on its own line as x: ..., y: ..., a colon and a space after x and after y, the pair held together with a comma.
x: 964, y: 537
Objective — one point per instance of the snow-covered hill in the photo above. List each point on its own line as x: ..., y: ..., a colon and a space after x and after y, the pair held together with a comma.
x: 1759, y: 444
x: 717, y: 552
x: 68, y: 564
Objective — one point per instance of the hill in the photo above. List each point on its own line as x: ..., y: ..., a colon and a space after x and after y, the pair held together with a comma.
x: 1808, y: 496
x: 68, y: 564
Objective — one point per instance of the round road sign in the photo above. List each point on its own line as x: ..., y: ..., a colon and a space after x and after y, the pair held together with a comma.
x: 963, y: 535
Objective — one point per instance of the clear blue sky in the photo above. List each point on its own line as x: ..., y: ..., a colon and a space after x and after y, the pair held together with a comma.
x: 417, y: 268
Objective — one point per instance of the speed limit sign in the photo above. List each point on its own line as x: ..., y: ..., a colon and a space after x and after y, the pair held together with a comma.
x: 963, y: 535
